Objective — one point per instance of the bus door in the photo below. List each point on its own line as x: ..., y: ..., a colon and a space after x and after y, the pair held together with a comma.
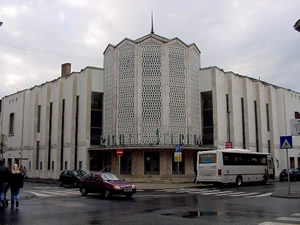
x: 271, y: 169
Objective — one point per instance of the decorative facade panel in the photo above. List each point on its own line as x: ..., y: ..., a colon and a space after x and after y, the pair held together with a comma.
x: 195, y: 92
x: 108, y: 96
x: 126, y: 89
x: 151, y: 92
x: 177, y: 90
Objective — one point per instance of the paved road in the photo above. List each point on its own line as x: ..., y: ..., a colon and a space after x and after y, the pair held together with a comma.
x: 251, y: 204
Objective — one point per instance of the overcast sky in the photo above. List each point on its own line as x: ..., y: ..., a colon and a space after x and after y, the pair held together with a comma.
x: 254, y: 38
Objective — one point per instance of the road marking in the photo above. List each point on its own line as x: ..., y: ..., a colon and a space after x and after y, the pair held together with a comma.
x: 216, y: 192
x: 262, y: 195
x: 223, y: 193
x: 38, y: 194
x: 275, y: 223
x: 55, y: 193
x: 294, y: 219
x: 246, y: 194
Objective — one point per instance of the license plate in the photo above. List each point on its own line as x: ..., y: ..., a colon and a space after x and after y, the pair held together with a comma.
x: 128, y: 190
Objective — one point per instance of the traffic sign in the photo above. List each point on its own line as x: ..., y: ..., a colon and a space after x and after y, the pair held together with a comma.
x: 177, y: 157
x: 286, y: 142
x: 228, y: 145
x: 295, y: 127
x: 119, y: 152
x: 177, y: 149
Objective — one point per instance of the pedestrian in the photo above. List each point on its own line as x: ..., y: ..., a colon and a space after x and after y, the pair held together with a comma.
x: 195, y: 172
x: 25, y: 171
x: 16, y: 182
x: 4, y: 177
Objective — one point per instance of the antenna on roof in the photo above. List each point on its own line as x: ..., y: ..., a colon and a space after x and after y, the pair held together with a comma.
x: 152, y: 31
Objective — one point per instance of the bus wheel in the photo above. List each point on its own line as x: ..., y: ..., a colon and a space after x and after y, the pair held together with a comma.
x: 239, y: 181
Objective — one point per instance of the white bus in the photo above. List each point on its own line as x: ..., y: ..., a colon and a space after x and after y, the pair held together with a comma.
x: 234, y: 166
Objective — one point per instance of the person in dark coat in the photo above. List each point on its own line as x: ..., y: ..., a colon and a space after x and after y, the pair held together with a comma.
x: 4, y: 177
x: 16, y: 182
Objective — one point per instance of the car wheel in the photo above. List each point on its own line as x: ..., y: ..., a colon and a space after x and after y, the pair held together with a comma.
x: 61, y: 183
x: 107, y: 194
x: 129, y: 196
x: 239, y: 181
x: 83, y: 191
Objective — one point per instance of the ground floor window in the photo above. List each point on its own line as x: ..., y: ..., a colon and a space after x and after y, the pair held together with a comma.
x: 151, y: 162
x: 126, y: 159
x: 178, y: 167
x: 100, y: 161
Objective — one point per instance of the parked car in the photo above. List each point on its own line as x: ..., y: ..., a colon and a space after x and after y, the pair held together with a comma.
x: 294, y: 175
x: 72, y: 177
x: 107, y: 184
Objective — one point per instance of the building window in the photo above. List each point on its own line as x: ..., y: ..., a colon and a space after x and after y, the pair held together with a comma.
x: 96, y: 118
x: 207, y: 118
x: 268, y: 117
x: 37, y: 155
x: 126, y: 163
x: 178, y: 167
x: 292, y: 162
x: 66, y: 165
x: 80, y: 165
x: 228, y: 117
x: 269, y: 146
x: 243, y: 123
x: 50, y: 134
x: 62, y: 134
x: 41, y: 165
x: 151, y: 162
x: 52, y: 165
x: 11, y: 123
x: 39, y: 119
x: 76, y: 132
x: 256, y: 126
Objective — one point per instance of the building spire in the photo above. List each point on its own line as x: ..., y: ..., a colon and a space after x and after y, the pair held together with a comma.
x: 152, y: 31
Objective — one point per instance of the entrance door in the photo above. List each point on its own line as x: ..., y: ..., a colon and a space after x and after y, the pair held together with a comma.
x: 151, y: 162
x: 100, y: 161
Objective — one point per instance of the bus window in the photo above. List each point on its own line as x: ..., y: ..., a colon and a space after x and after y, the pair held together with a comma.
x: 207, y: 158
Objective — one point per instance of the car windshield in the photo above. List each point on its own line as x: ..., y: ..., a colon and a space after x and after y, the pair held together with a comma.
x: 109, y: 176
x: 79, y: 173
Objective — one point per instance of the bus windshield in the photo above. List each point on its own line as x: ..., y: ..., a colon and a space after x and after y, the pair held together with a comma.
x: 207, y: 158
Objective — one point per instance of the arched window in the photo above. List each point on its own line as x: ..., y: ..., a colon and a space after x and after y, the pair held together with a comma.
x: 11, y: 123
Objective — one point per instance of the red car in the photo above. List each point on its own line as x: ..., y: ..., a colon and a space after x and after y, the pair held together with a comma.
x: 107, y: 184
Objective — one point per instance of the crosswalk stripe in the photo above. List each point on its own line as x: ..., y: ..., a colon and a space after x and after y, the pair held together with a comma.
x: 38, y: 194
x: 67, y: 192
x: 294, y: 219
x: 257, y: 196
x: 223, y: 193
x: 275, y: 223
x: 216, y: 192
x: 55, y: 193
x: 246, y: 194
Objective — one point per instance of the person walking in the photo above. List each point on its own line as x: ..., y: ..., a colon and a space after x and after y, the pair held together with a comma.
x: 16, y: 182
x: 4, y: 177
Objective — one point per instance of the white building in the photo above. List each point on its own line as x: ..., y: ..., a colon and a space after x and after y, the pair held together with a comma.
x: 151, y: 95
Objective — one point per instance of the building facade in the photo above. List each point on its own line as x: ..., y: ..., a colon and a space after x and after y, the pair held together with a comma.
x: 151, y: 97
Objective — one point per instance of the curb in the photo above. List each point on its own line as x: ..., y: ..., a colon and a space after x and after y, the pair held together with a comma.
x: 292, y: 196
